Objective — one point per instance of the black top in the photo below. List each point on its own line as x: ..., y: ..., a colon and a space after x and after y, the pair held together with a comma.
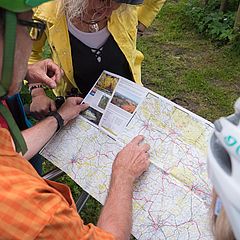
x: 89, y: 63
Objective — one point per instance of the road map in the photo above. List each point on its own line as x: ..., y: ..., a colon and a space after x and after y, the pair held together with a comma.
x: 171, y: 200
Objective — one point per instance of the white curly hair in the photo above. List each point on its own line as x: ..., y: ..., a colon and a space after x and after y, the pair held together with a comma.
x: 74, y: 8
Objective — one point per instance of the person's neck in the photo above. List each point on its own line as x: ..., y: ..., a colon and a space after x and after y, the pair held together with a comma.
x: 86, y: 22
x: 85, y: 25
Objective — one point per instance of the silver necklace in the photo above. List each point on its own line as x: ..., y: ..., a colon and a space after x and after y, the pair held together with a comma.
x: 93, y: 26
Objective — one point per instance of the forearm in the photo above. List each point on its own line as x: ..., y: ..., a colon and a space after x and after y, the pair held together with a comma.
x: 116, y: 216
x: 38, y: 135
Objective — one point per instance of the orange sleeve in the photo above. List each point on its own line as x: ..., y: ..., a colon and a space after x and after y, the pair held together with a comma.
x: 67, y: 224
x: 33, y: 208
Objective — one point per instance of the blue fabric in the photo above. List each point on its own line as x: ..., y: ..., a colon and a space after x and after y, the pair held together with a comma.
x: 37, y: 162
x: 15, y: 105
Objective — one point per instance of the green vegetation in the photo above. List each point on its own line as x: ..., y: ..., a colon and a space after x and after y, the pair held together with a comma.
x: 210, y: 20
x: 183, y: 65
x: 180, y: 64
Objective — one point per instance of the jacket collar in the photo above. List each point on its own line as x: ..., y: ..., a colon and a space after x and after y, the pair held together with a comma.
x: 49, y: 12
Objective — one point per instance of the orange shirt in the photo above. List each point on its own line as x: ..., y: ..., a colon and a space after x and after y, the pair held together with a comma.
x: 34, y: 208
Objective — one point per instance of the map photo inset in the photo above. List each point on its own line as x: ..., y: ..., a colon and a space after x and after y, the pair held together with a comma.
x: 103, y: 102
x: 107, y: 83
x: 128, y: 103
x: 92, y: 115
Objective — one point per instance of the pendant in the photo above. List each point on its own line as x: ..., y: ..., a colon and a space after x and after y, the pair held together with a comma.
x: 93, y: 27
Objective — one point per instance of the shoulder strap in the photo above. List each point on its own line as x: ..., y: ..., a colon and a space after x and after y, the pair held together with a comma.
x: 14, y: 130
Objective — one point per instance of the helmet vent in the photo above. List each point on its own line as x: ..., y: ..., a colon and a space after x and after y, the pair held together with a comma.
x: 221, y: 155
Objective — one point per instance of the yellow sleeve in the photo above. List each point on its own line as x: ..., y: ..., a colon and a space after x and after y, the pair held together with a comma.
x: 148, y: 11
x: 37, y: 50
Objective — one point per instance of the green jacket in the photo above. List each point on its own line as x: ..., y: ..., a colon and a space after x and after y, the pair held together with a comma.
x: 122, y: 25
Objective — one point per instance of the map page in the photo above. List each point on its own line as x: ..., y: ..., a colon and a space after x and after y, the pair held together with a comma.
x: 171, y: 200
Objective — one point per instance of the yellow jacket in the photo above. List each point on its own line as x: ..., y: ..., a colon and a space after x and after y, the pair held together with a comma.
x: 122, y: 25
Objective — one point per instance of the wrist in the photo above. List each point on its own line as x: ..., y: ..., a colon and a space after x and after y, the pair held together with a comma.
x: 36, y: 91
x: 122, y: 178
x: 58, y: 118
x: 64, y: 115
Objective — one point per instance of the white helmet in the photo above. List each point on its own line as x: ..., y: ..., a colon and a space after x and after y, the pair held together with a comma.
x: 224, y: 165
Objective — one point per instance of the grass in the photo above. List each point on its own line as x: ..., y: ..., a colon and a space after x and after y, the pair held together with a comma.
x: 180, y: 64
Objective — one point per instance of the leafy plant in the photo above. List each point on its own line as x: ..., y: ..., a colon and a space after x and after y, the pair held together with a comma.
x: 211, y: 22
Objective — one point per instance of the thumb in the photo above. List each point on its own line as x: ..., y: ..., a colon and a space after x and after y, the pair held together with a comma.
x: 83, y: 107
x: 48, y: 81
x: 78, y: 100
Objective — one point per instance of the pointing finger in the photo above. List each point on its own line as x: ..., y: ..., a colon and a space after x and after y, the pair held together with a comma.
x: 137, y: 140
x: 145, y: 147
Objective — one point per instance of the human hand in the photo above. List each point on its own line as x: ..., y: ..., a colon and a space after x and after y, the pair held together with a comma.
x: 45, y: 71
x: 71, y: 108
x: 140, y: 29
x: 132, y: 160
x: 41, y: 105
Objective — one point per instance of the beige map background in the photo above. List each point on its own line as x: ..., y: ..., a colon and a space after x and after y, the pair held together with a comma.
x: 171, y: 199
